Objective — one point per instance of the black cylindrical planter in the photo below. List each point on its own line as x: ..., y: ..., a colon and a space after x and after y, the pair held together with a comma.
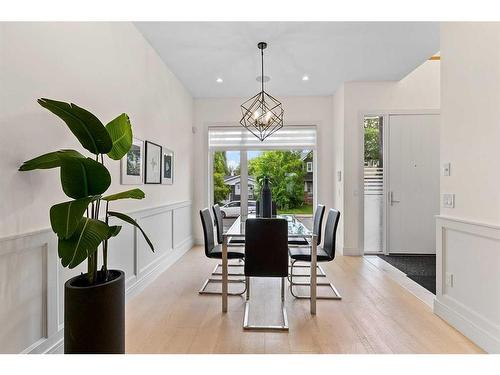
x: 94, y: 316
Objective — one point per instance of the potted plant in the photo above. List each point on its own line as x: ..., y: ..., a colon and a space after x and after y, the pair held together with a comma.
x: 94, y: 302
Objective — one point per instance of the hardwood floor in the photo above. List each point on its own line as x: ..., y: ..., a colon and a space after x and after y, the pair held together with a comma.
x: 376, y: 315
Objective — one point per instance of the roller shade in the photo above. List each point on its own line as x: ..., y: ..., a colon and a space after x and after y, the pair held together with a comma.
x: 238, y: 138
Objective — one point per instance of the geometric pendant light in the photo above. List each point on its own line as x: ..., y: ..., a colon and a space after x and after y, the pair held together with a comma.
x: 262, y: 113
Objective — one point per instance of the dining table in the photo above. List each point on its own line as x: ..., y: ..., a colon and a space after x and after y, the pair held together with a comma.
x: 296, y: 230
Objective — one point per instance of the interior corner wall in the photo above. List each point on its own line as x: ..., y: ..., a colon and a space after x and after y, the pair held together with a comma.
x: 420, y: 90
x: 468, y: 235
x: 107, y: 68
x: 226, y: 112
x: 338, y: 160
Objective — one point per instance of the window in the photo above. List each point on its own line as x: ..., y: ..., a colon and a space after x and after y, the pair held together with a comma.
x: 373, y: 184
x: 287, y: 156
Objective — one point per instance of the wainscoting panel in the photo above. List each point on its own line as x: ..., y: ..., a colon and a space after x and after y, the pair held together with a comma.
x: 32, y: 279
x: 468, y: 280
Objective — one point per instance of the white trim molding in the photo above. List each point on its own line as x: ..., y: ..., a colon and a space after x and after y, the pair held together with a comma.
x: 468, y: 279
x: 32, y: 278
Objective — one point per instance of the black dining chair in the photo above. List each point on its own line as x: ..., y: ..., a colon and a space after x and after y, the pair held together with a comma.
x: 214, y: 251
x: 317, y: 229
x: 266, y: 255
x: 325, y: 253
x: 317, y: 226
x: 219, y: 225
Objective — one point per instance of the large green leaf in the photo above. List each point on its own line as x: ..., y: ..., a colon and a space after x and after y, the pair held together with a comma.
x: 120, y: 132
x: 129, y: 220
x: 65, y: 217
x: 114, y: 230
x: 84, y: 125
x: 84, y: 242
x: 81, y: 178
x: 133, y: 194
x: 50, y: 160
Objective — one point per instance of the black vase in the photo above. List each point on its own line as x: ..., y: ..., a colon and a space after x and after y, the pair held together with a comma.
x: 94, y: 316
x: 267, y: 200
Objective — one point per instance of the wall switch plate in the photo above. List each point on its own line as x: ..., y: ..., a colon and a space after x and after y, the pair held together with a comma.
x: 449, y: 200
x: 449, y: 279
x: 446, y: 169
x: 339, y: 176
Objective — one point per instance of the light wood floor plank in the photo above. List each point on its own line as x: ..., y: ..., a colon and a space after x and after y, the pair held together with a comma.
x: 376, y: 315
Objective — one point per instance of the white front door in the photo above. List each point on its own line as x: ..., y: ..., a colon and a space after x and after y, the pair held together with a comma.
x: 413, y: 184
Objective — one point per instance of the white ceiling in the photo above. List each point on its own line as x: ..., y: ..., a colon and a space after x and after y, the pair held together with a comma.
x: 328, y: 52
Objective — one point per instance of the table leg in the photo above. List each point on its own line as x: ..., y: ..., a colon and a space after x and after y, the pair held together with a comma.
x: 313, y: 274
x: 224, y: 275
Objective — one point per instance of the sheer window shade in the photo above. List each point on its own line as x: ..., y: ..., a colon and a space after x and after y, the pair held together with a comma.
x: 236, y: 138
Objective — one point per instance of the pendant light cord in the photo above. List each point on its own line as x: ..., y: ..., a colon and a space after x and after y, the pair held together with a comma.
x: 262, y: 67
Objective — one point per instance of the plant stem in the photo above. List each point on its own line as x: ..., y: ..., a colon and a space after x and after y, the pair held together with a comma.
x: 105, y: 249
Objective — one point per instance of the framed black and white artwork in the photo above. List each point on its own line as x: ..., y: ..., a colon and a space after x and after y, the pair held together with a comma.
x: 153, y: 163
x: 132, y: 164
x: 167, y: 169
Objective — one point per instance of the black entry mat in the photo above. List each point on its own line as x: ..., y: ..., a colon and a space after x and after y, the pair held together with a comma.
x: 419, y: 268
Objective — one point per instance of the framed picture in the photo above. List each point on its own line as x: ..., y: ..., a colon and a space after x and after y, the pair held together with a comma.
x: 132, y: 164
x: 167, y: 169
x: 153, y: 163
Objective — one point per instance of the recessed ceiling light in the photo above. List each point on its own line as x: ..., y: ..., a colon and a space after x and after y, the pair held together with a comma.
x: 219, y: 80
x: 305, y: 78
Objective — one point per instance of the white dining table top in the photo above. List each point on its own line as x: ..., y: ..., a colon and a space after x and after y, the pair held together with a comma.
x: 295, y: 227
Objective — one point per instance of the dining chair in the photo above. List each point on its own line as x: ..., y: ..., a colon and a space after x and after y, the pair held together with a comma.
x: 214, y: 251
x: 219, y: 225
x: 317, y: 229
x: 317, y: 226
x: 325, y: 253
x: 266, y: 255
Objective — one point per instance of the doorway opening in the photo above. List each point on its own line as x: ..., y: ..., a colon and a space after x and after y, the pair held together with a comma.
x: 401, y: 194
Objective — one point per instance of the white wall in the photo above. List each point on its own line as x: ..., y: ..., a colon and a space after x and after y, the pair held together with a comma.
x: 298, y: 111
x: 338, y: 159
x: 107, y: 68
x: 420, y: 90
x: 468, y: 236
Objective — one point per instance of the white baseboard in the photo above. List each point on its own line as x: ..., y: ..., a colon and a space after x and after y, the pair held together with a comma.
x: 469, y: 252
x: 39, y: 325
x: 56, y: 344
x: 161, y: 266
x: 352, y: 252
x: 480, y: 336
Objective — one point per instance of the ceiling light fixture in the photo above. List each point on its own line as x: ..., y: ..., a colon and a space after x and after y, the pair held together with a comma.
x: 262, y: 113
x: 219, y: 80
x: 305, y: 78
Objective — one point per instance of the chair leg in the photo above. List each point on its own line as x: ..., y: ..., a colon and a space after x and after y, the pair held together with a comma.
x: 212, y: 280
x: 337, y: 295
x: 218, y: 273
x: 248, y: 327
x: 320, y: 273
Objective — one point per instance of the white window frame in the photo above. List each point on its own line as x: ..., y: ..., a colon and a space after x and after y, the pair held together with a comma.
x: 244, y: 163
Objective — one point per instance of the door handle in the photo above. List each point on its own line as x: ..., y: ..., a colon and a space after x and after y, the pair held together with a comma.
x: 391, y: 198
